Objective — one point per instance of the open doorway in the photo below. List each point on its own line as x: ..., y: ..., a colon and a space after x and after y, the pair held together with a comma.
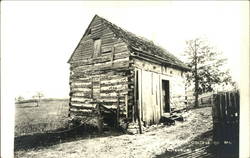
x: 165, y: 96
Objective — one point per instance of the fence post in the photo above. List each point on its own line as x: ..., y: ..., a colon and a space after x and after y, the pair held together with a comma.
x: 226, y: 122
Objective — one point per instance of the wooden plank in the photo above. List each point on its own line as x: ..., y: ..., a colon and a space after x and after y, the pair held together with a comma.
x: 87, y: 41
x: 107, y: 34
x: 108, y: 40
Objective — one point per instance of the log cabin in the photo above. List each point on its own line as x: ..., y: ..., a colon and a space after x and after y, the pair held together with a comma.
x: 124, y: 73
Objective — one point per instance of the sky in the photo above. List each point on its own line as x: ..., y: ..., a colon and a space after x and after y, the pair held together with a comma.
x: 39, y: 37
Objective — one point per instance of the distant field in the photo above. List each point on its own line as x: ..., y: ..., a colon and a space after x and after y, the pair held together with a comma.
x: 51, y: 114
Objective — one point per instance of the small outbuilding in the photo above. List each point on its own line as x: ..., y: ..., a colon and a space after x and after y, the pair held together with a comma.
x: 125, y: 74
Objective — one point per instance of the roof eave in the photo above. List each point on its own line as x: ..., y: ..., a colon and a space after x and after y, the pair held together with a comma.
x: 160, y: 59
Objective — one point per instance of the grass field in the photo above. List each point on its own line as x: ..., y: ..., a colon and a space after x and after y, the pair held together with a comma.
x: 51, y: 114
x: 78, y: 143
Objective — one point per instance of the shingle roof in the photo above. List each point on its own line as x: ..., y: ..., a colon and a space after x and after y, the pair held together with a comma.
x: 143, y: 45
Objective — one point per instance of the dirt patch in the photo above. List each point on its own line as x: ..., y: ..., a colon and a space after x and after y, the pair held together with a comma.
x: 156, y: 141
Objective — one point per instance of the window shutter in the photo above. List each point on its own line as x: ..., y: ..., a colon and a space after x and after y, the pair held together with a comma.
x: 97, y: 47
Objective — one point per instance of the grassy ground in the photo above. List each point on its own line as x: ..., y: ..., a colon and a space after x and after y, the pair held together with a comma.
x: 157, y: 140
x: 49, y: 115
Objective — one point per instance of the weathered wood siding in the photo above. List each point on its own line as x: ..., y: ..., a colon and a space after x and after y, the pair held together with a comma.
x: 103, y: 77
x: 150, y: 78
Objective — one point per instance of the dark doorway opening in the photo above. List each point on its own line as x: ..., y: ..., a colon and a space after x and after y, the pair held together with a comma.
x: 165, y: 96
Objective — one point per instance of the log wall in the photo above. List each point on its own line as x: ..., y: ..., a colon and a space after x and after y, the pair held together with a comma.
x: 104, y: 77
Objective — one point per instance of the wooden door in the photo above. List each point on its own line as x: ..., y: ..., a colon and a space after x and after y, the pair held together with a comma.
x: 165, y: 96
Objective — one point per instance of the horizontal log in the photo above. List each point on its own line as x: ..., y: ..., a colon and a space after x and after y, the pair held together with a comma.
x: 95, y: 65
x: 81, y: 94
x: 120, y: 71
x: 91, y: 112
x: 80, y: 110
x: 101, y: 76
x: 107, y: 104
x: 102, y: 59
x: 107, y: 66
x: 111, y: 95
x: 120, y: 91
x: 81, y: 89
x: 111, y: 83
x: 102, y: 101
x: 81, y: 86
x: 118, y: 80
x: 75, y: 107
x: 93, y: 60
x: 115, y: 87
x: 80, y: 99
x: 81, y: 83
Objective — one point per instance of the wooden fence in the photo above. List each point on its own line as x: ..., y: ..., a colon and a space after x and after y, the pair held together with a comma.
x: 204, y: 100
x: 226, y: 122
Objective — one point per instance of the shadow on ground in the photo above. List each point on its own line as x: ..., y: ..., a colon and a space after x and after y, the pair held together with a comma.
x: 198, y: 147
x: 41, y: 140
x: 202, y: 146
